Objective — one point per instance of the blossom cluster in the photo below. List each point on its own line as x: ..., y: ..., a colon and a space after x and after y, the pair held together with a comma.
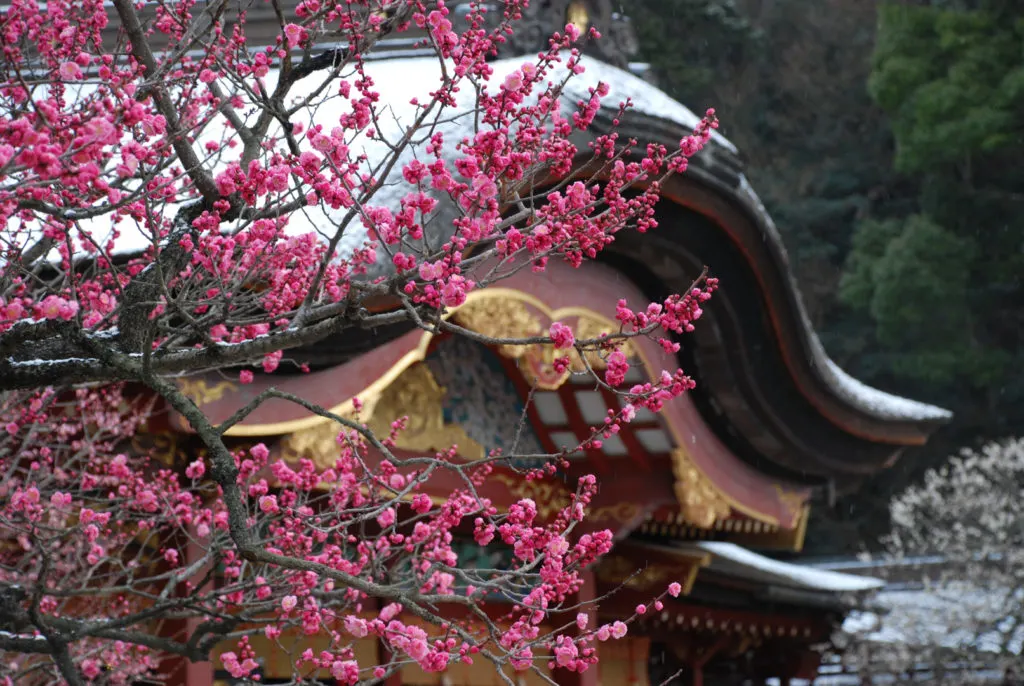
x: 255, y: 223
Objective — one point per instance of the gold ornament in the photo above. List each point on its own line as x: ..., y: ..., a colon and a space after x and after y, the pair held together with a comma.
x: 589, y: 328
x: 700, y: 500
x: 416, y: 394
x: 200, y: 393
x: 318, y: 443
x: 619, y: 512
x: 550, y: 498
x: 500, y: 318
x: 621, y: 570
x: 793, y: 501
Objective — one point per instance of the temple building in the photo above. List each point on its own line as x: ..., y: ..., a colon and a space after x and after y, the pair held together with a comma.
x: 702, y: 493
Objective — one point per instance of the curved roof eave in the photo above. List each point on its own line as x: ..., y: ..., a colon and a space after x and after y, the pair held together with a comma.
x: 719, y: 168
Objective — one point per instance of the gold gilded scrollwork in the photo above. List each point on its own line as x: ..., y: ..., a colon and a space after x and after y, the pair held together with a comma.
x: 619, y: 512
x: 415, y: 394
x: 550, y: 498
x: 501, y: 318
x: 511, y: 318
x: 538, y: 367
x: 202, y: 393
x: 163, y: 446
x: 700, y: 500
x: 318, y: 443
x: 793, y: 501
x: 621, y: 570
x: 588, y: 328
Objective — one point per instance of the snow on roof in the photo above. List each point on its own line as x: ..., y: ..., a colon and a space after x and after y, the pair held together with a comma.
x: 876, y: 402
x: 399, y: 81
x: 731, y: 558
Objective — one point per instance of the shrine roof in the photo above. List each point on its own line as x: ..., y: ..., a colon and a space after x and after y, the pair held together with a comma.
x: 763, y: 374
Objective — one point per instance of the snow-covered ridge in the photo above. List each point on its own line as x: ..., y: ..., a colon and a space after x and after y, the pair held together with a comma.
x: 729, y: 556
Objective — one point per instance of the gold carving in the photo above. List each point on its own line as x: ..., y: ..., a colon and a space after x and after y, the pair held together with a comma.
x: 202, y: 394
x: 501, y: 318
x: 163, y: 446
x: 549, y: 497
x: 622, y: 570
x: 538, y: 367
x: 793, y: 501
x: 700, y: 500
x: 318, y: 443
x: 619, y: 512
x: 589, y: 328
x: 506, y: 317
x: 416, y: 394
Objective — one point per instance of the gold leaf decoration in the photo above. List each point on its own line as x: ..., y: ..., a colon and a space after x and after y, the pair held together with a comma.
x: 588, y: 328
x: 201, y: 393
x: 549, y: 497
x: 415, y: 394
x: 318, y: 443
x: 700, y: 500
x: 164, y: 446
x: 618, y: 569
x: 793, y: 501
x: 619, y: 512
x: 501, y: 318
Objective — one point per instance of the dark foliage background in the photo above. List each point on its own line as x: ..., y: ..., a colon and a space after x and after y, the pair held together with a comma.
x: 887, y: 141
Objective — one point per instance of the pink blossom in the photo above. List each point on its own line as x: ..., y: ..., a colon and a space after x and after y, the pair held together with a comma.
x: 514, y: 81
x: 69, y: 71
x: 346, y: 671
x: 387, y: 517
x: 566, y: 652
x: 674, y: 589
x: 289, y: 602
x: 421, y: 503
x: 561, y: 335
x: 195, y: 469
x: 268, y: 504
x: 356, y: 626
x: 390, y: 611
x: 294, y: 34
